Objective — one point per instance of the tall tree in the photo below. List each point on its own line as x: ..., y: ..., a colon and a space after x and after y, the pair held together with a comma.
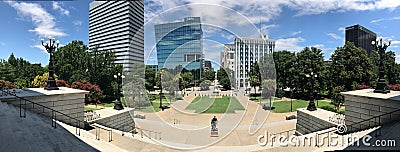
x: 150, y: 78
x: 225, y: 78
x: 285, y: 67
x: 351, y: 65
x: 308, y: 60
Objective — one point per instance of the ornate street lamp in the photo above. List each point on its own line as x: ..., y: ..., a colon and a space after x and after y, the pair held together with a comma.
x: 381, y: 46
x: 50, y: 48
x: 311, y: 104
x: 118, y: 104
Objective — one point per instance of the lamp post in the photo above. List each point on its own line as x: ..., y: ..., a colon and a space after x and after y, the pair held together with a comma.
x: 311, y: 104
x: 381, y: 46
x: 118, y: 104
x: 50, y: 48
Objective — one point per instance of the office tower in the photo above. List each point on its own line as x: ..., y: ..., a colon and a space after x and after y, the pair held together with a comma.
x: 247, y: 52
x: 208, y: 66
x: 118, y: 26
x: 361, y: 37
x: 180, y: 44
x: 228, y: 57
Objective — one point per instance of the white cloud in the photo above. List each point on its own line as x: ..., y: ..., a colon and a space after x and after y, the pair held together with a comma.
x: 296, y: 33
x: 341, y: 29
x: 77, y: 22
x: 333, y: 35
x: 397, y: 58
x: 290, y: 44
x: 230, y: 37
x: 56, y: 6
x: 44, y: 21
x: 40, y: 47
x: 2, y: 43
x: 385, y: 19
x: 395, y: 42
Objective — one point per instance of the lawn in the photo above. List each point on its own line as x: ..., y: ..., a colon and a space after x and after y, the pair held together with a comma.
x: 154, y: 106
x: 90, y: 109
x: 284, y: 106
x: 215, y: 105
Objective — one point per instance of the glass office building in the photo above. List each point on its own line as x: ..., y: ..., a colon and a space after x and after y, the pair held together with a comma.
x: 180, y: 44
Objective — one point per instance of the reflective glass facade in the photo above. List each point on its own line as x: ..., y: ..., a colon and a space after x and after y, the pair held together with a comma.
x: 180, y: 43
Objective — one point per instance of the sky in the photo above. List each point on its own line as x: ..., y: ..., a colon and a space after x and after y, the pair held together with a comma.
x: 293, y: 24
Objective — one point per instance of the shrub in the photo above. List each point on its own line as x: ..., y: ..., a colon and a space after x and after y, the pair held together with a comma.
x: 7, y: 85
x: 394, y: 87
x: 337, y: 98
x: 62, y: 83
x: 361, y: 86
x: 329, y: 108
x: 94, y: 90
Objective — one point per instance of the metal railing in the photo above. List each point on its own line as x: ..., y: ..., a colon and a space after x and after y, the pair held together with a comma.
x: 155, y: 133
x: 376, y: 122
x: 98, y: 129
x: 23, y: 105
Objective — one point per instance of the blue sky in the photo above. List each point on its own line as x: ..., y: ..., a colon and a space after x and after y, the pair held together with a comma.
x: 294, y: 24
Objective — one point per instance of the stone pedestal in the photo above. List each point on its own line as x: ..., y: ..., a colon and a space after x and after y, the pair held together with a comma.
x: 312, y: 121
x: 365, y: 104
x: 68, y: 101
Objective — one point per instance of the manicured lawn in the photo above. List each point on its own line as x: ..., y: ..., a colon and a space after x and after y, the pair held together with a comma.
x: 215, y: 105
x: 154, y: 106
x: 90, y: 109
x: 284, y: 106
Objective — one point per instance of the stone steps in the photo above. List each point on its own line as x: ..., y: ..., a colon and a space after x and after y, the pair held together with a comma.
x: 34, y: 133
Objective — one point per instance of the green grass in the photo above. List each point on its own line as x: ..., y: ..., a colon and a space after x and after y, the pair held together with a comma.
x: 154, y: 106
x: 90, y: 109
x: 284, y: 106
x: 106, y: 104
x: 215, y: 105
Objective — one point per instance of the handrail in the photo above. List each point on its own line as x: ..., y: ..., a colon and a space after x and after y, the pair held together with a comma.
x: 150, y: 131
x: 375, y: 117
x: 98, y: 127
x: 53, y: 119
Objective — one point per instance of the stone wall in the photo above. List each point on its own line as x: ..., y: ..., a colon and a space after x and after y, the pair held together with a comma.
x: 364, y: 104
x: 121, y: 121
x: 68, y: 101
x: 312, y: 121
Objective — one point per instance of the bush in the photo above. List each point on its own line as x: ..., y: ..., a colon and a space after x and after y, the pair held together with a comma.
x: 94, y: 90
x: 329, y: 108
x: 337, y: 98
x: 394, y: 87
x: 62, y: 83
x: 7, y: 85
x: 280, y: 93
x: 360, y: 86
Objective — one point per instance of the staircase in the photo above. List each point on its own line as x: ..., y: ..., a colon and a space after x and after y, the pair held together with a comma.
x: 34, y: 133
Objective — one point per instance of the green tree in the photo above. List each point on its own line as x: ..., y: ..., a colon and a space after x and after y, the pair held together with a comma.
x: 40, y: 80
x: 307, y: 61
x: 337, y: 98
x: 208, y: 75
x: 254, y: 82
x: 224, y: 77
x: 285, y: 67
x: 71, y: 61
x: 150, y: 78
x: 351, y: 65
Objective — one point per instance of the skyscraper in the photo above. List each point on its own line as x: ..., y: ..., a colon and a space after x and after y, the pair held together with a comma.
x: 117, y: 26
x: 180, y: 43
x: 361, y: 37
x: 247, y: 52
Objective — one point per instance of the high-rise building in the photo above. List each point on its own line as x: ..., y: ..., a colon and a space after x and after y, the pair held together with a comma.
x: 361, y: 37
x: 228, y: 57
x: 247, y: 52
x: 118, y: 26
x: 208, y: 66
x: 180, y: 43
